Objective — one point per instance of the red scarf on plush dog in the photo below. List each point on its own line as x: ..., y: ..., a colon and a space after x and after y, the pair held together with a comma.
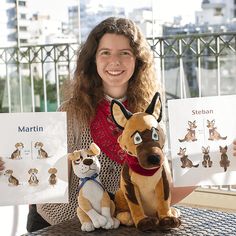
x: 105, y: 133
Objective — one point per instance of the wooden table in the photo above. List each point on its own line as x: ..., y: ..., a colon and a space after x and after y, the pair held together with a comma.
x: 195, y: 222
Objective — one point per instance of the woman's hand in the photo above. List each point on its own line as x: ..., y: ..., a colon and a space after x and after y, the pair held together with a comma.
x: 234, y: 148
x: 2, y: 167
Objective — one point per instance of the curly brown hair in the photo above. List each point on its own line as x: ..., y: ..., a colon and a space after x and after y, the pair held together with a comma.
x: 87, y: 89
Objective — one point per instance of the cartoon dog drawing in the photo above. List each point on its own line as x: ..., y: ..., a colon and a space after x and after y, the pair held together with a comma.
x: 53, y: 178
x: 12, y: 181
x: 95, y: 208
x: 41, y: 152
x: 224, y: 162
x: 190, y: 136
x: 33, y: 180
x: 184, y: 159
x: 144, y: 195
x: 213, y: 134
x: 16, y: 155
x: 206, y: 157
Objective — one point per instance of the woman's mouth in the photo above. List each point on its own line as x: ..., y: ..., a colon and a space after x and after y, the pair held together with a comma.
x: 115, y: 72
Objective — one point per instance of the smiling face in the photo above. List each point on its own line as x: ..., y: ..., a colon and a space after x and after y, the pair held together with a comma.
x: 86, y: 165
x: 115, y: 63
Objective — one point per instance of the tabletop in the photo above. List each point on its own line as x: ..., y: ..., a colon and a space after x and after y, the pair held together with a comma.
x: 195, y: 221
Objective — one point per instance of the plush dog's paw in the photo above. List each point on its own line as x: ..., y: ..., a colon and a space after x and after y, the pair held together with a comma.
x: 87, y: 227
x: 147, y: 223
x: 169, y: 222
x: 99, y: 221
x: 116, y: 223
x: 175, y: 212
x: 125, y: 218
x: 109, y: 224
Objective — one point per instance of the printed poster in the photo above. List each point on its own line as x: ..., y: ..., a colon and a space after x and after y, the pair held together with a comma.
x: 34, y: 149
x: 202, y: 131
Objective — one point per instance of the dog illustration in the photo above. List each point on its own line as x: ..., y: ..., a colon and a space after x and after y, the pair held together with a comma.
x: 184, y: 159
x: 213, y: 134
x: 41, y: 152
x: 144, y: 195
x: 190, y: 136
x: 224, y: 162
x: 206, y: 157
x: 33, y: 180
x: 12, y: 181
x: 53, y: 178
x: 16, y: 155
x: 95, y: 208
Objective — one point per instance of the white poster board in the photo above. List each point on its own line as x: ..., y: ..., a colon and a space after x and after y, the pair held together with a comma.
x: 34, y: 149
x: 201, y: 134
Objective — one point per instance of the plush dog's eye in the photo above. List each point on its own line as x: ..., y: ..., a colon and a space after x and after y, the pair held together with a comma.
x: 137, y: 138
x: 155, y: 135
x: 76, y: 162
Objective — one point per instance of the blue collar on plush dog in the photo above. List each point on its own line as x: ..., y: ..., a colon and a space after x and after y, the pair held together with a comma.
x: 93, y: 177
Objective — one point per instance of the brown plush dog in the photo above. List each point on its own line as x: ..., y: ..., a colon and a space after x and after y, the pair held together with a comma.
x: 144, y: 194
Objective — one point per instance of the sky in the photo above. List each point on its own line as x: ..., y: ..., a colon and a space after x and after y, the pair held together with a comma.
x: 164, y: 10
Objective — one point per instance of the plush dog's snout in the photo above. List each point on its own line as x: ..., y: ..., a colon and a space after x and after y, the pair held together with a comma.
x: 154, y: 159
x: 87, y: 162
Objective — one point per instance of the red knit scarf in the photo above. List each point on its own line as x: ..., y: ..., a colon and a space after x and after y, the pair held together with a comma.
x: 105, y: 133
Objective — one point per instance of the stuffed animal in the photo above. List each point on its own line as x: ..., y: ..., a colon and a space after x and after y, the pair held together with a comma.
x: 95, y: 208
x: 144, y: 195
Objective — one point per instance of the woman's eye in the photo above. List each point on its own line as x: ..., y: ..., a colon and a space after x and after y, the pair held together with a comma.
x: 155, y: 135
x: 104, y: 52
x: 137, y: 139
x: 126, y: 53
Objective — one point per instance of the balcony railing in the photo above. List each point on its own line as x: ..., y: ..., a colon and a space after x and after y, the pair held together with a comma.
x: 187, y: 65
x: 31, y: 77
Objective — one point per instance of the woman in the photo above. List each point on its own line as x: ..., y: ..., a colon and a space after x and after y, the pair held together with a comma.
x: 114, y: 62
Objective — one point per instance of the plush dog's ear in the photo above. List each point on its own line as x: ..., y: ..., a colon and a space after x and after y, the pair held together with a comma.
x: 152, y: 105
x: 119, y: 113
x: 74, y: 156
x: 94, y: 148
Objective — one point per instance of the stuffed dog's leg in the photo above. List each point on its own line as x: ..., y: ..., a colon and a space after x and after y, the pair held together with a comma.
x: 116, y: 221
x: 122, y: 209
x: 97, y: 219
x: 166, y: 215
x: 141, y: 221
x: 106, y: 211
x: 86, y: 223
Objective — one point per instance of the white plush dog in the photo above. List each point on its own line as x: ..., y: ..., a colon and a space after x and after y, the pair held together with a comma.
x: 95, y: 208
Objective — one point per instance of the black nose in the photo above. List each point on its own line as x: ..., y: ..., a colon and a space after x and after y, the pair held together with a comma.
x: 154, y: 159
x: 88, y: 162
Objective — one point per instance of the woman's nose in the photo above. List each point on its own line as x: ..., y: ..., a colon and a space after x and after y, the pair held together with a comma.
x: 115, y: 60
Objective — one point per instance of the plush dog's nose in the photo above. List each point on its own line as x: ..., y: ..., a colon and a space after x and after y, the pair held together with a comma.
x: 88, y: 162
x: 154, y: 159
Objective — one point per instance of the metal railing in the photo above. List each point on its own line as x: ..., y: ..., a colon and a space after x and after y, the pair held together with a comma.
x: 31, y: 76
x: 187, y: 65
x: 196, y: 65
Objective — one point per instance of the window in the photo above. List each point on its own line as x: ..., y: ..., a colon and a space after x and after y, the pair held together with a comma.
x: 23, y: 16
x: 22, y: 3
x: 23, y: 28
x: 218, y: 12
x: 23, y: 41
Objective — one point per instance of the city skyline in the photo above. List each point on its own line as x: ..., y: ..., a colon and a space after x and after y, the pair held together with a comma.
x: 164, y: 10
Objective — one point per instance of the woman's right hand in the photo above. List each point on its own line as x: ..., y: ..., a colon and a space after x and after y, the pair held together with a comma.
x: 2, y: 167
